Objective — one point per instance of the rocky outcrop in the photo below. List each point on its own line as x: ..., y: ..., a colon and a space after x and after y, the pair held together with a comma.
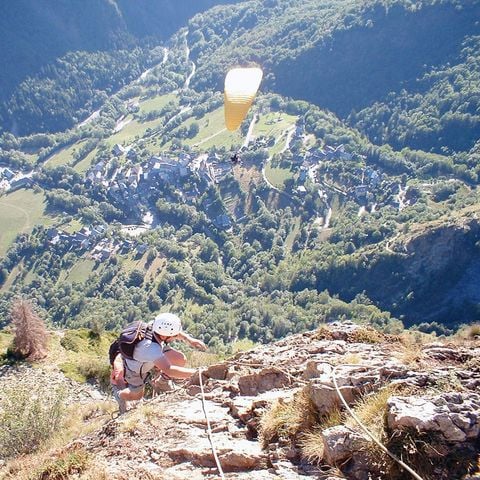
x: 454, y: 417
x: 168, y: 436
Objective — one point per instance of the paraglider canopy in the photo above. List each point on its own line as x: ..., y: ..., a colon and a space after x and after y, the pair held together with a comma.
x: 241, y: 85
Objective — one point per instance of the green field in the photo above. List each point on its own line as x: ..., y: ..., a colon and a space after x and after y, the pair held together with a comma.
x: 212, y: 132
x: 132, y: 130
x: 156, y: 103
x: 277, y: 176
x: 81, y: 271
x: 65, y: 155
x: 83, y: 165
x: 72, y: 226
x: 19, y: 212
x: 292, y: 234
x: 273, y: 124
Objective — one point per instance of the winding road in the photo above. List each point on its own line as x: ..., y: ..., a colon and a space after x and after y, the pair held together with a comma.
x: 194, y: 67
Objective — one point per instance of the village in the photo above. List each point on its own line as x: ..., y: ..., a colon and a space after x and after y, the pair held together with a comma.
x: 129, y: 183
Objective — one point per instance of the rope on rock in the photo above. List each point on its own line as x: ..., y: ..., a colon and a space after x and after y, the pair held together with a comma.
x: 364, y: 428
x: 209, y: 430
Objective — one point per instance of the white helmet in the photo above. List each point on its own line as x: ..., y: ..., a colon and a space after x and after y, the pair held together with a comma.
x: 167, y: 325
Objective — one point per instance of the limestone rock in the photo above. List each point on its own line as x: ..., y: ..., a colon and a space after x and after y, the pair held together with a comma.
x: 341, y: 443
x: 267, y: 379
x: 453, y: 416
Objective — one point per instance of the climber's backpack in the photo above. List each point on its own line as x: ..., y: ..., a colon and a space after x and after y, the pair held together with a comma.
x: 128, y: 338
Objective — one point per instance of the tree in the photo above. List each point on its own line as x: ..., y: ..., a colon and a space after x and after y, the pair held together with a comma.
x: 135, y: 278
x: 30, y: 334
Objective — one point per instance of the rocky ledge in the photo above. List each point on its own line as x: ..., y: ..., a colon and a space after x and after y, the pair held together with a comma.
x: 430, y: 416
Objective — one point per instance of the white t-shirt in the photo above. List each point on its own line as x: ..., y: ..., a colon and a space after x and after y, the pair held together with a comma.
x: 145, y: 354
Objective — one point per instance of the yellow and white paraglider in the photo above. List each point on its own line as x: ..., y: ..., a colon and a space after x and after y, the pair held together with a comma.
x: 241, y: 85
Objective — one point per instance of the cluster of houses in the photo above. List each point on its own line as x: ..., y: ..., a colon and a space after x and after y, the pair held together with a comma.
x: 370, y: 181
x: 207, y: 167
x: 10, y: 181
x: 125, y: 182
x: 93, y: 239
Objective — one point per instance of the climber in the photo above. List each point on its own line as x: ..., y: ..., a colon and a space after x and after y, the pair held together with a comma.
x: 129, y: 375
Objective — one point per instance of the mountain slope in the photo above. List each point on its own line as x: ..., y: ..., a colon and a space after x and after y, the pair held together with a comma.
x: 36, y: 32
x: 352, y: 55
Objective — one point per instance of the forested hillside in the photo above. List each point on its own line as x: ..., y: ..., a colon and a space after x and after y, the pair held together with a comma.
x: 353, y: 194
x: 35, y: 33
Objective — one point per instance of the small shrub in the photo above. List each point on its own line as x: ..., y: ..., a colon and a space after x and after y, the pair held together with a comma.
x: 469, y: 332
x: 323, y: 333
x: 63, y: 465
x: 28, y: 418
x: 30, y: 334
x: 473, y: 364
x: 70, y: 370
x: 87, y: 368
x: 96, y: 369
x: 366, y: 335
x: 72, y: 341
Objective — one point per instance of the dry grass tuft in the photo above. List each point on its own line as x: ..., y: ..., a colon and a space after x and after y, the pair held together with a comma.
x: 57, y: 465
x: 323, y: 333
x: 473, y: 364
x: 65, y: 464
x: 144, y: 414
x: 311, y: 443
x: 81, y: 420
x: 469, y: 332
x: 410, y: 354
x: 350, y: 359
x: 428, y: 454
x: 366, y: 334
x: 288, y: 419
x: 196, y: 359
x: 372, y: 409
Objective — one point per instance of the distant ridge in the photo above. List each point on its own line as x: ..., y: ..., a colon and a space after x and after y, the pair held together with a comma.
x: 35, y: 32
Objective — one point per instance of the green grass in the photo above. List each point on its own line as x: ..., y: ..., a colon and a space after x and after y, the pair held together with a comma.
x: 132, y: 130
x: 16, y: 271
x: 212, y: 132
x: 71, y: 227
x: 32, y: 158
x: 81, y: 271
x: 65, y: 155
x: 274, y: 124
x: 156, y: 103
x: 292, y: 234
x: 277, y: 176
x: 83, y: 165
x: 20, y: 211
